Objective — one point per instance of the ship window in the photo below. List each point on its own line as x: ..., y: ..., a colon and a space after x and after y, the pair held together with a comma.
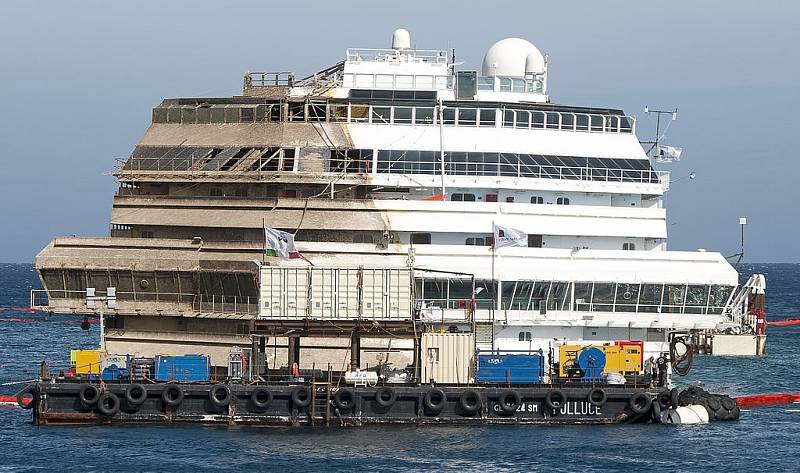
x: 562, y: 201
x: 146, y: 234
x: 718, y: 297
x: 289, y: 193
x: 297, y: 111
x: 596, y: 122
x: 423, y: 115
x: 534, y: 241
x: 467, y: 116
x: 696, y: 299
x: 537, y: 199
x: 215, y: 192
x: 381, y: 115
x: 612, y: 124
x: 603, y: 296
x: 420, y: 238
x: 525, y: 337
x: 491, y: 197
x: 583, y: 295
x: 510, y: 199
x: 567, y: 121
x: 316, y: 112
x: 449, y: 116
x: 650, y: 297
x: 625, y: 125
x: 508, y: 118
x: 402, y: 115
x: 288, y: 159
x: 674, y: 297
x: 537, y: 119
x: 404, y: 82
x: 363, y: 238
x: 337, y: 113
x: 553, y: 120
x: 627, y: 295
x: 458, y: 197
x: 488, y: 117
x: 629, y: 246
x: 359, y: 113
x: 477, y: 241
x: 582, y: 122
x: 523, y: 119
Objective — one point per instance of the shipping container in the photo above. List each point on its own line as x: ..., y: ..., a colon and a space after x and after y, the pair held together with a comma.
x: 447, y: 357
x: 184, y: 368
x: 335, y: 293
x: 510, y: 367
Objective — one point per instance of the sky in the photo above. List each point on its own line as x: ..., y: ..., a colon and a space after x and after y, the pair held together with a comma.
x: 78, y: 81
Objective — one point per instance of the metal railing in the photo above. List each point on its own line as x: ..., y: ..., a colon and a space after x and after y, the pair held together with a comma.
x: 269, y: 79
x: 221, y: 304
x: 406, y: 55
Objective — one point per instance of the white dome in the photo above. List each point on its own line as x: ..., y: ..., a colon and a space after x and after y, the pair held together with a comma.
x: 510, y: 57
x: 401, y: 39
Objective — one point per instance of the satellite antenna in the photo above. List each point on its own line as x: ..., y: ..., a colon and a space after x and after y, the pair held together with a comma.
x: 659, y: 152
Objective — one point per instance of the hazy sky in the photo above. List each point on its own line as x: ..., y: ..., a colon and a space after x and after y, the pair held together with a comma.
x: 78, y: 81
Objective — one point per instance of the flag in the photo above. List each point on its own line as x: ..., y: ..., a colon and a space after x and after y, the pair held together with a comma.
x: 280, y: 244
x: 668, y: 154
x: 505, y: 236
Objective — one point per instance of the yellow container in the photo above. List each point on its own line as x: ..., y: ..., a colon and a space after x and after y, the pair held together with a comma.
x: 626, y: 360
x: 86, y: 361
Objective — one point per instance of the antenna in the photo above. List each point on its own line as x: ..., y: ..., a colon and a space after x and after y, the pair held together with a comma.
x: 655, y: 149
x: 740, y: 255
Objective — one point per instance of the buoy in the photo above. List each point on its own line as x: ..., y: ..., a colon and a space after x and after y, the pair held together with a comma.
x: 8, y: 401
x: 295, y: 370
x: 694, y: 414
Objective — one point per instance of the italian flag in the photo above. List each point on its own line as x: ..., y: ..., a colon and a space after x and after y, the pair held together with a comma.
x: 280, y: 244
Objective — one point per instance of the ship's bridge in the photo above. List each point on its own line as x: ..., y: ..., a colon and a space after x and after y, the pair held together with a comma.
x: 513, y: 71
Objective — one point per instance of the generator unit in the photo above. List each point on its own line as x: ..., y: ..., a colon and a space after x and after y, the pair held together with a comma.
x: 591, y: 362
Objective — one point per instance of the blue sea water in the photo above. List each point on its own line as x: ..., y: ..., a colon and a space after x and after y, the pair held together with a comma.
x: 763, y: 440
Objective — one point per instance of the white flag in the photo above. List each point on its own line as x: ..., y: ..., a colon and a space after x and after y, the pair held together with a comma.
x: 668, y: 154
x: 505, y: 236
x: 280, y: 244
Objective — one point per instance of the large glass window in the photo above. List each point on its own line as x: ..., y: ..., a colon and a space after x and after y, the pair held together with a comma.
x: 508, y: 118
x: 402, y: 115
x: 718, y: 297
x: 381, y: 115
x: 674, y: 298
x: 583, y: 295
x: 650, y: 297
x: 553, y: 120
x: 359, y: 113
x: 603, y: 296
x: 467, y: 116
x: 449, y: 116
x: 423, y: 115
x: 627, y: 295
x: 488, y: 117
x: 696, y: 299
x: 557, y: 298
x: 537, y: 119
x: 523, y: 119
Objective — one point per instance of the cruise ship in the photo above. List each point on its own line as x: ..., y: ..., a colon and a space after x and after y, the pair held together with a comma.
x: 396, y: 173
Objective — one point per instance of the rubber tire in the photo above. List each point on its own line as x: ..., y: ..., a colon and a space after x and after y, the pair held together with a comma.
x: 590, y: 397
x: 464, y: 401
x: 86, y: 400
x: 133, y: 400
x: 301, y: 400
x: 550, y: 403
x: 216, y: 400
x: 379, y: 397
x: 170, y: 400
x: 674, y: 397
x: 428, y: 400
x: 21, y: 398
x: 505, y: 405
x: 340, y: 399
x: 734, y: 413
x: 101, y: 404
x: 714, y: 403
x: 655, y: 412
x: 728, y: 403
x: 637, y: 407
x: 255, y: 396
x: 665, y: 399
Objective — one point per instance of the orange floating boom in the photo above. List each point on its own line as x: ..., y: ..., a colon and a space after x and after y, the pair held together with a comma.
x: 784, y: 322
x: 766, y: 400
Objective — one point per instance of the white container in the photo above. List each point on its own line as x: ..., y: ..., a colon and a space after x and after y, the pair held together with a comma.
x: 694, y: 414
x: 361, y: 378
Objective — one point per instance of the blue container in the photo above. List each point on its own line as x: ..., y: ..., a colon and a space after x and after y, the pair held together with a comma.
x: 114, y: 373
x: 510, y: 367
x: 184, y: 368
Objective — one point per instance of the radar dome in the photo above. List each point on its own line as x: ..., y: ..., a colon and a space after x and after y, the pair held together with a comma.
x: 401, y: 39
x: 512, y: 57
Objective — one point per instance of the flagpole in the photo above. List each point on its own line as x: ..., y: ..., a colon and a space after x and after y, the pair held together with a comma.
x: 494, y: 283
x: 264, y: 233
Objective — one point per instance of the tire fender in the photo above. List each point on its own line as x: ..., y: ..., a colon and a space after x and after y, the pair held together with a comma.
x: 555, y: 398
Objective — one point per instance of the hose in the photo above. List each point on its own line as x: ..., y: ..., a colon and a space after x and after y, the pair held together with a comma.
x: 681, y: 363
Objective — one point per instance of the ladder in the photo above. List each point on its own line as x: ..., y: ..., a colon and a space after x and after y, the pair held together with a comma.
x: 320, y: 402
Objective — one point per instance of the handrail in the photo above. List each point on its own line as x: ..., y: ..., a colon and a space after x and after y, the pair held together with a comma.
x: 372, y: 54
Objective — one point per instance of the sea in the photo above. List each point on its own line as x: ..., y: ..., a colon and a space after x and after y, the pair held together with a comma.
x: 765, y: 440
